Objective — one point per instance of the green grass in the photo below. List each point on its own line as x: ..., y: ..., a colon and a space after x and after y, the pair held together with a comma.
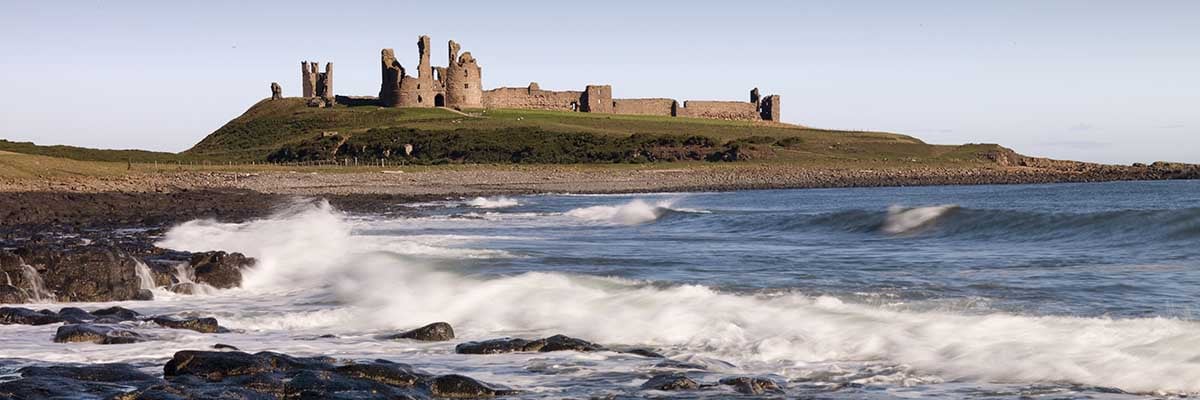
x: 287, y: 130
x: 86, y: 154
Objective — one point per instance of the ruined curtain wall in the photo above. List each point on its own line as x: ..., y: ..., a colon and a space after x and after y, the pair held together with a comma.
x: 664, y: 107
x: 727, y: 110
x: 525, y: 98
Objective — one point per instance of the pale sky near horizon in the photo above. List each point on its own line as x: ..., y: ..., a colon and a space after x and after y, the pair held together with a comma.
x: 1106, y: 81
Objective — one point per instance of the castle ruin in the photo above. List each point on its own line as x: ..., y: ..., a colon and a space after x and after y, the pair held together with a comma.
x: 315, y: 83
x: 459, y: 85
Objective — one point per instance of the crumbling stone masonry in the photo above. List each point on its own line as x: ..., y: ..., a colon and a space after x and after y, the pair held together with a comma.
x: 315, y: 83
x: 276, y: 91
x: 460, y: 85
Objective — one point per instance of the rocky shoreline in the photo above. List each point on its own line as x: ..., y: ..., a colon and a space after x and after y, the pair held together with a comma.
x: 92, y: 240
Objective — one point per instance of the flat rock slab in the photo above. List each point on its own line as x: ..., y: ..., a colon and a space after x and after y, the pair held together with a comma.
x: 511, y: 345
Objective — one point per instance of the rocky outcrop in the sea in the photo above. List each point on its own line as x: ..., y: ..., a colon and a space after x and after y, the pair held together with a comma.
x: 752, y: 385
x: 512, y: 345
x: 668, y: 382
x: 202, y: 325
x: 96, y: 333
x: 113, y: 325
x: 238, y: 375
x: 435, y: 332
x: 72, y: 270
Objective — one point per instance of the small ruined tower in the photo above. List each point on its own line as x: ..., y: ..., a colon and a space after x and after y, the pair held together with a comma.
x: 768, y: 108
x: 754, y: 97
x: 425, y: 90
x: 393, y: 75
x: 276, y: 91
x: 315, y: 83
x: 463, y: 80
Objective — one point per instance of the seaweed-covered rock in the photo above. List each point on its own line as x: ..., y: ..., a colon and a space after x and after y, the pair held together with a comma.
x: 461, y: 387
x: 99, y: 334
x: 498, y: 346
x: 216, y: 365
x: 670, y: 382
x: 752, y: 385
x: 25, y: 316
x: 118, y: 313
x: 435, y: 332
x: 70, y: 382
x: 220, y: 269
x: 511, y: 345
x: 202, y: 325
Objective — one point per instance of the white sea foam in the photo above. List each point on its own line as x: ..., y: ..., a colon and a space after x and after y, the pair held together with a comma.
x: 900, y: 219
x: 632, y: 213
x: 313, y: 251
x: 495, y: 202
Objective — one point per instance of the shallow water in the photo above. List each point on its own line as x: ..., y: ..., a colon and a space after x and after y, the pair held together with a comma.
x: 1062, y: 291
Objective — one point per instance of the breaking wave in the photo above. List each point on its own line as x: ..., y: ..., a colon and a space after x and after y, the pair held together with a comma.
x: 496, y: 202
x: 632, y: 213
x: 316, y: 252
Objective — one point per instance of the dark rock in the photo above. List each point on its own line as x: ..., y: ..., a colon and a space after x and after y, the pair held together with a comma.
x: 222, y: 346
x: 461, y: 387
x: 752, y: 385
x: 220, y: 269
x: 25, y: 316
x: 238, y: 375
x: 72, y: 382
x: 92, y: 373
x: 144, y: 295
x: 119, y: 313
x: 99, y: 334
x: 96, y: 272
x: 565, y: 343
x: 216, y: 365
x: 392, y: 374
x: 670, y: 382
x: 435, y: 332
x: 202, y: 325
x: 509, y: 345
x: 75, y: 315
x: 284, y: 362
x: 645, y: 353
x: 498, y: 346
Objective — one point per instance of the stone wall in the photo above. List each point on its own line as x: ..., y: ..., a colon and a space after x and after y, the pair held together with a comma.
x: 533, y: 98
x: 727, y: 110
x: 597, y: 99
x: 665, y: 107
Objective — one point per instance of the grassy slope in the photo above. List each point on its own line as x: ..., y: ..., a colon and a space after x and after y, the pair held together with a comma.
x: 269, y: 124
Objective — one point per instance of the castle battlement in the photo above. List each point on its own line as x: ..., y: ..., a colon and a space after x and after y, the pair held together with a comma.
x: 459, y: 85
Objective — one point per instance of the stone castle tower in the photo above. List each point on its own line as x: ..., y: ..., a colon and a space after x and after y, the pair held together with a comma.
x: 459, y: 85
x: 315, y: 83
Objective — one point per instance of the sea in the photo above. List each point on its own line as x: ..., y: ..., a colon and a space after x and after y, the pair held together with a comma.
x: 1062, y: 291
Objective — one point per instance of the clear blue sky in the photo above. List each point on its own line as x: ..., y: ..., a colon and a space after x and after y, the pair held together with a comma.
x: 1110, y: 81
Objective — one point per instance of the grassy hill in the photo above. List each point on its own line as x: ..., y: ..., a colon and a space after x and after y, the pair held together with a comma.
x: 287, y: 130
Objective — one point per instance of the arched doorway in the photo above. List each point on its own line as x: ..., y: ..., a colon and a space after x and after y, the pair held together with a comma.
x: 439, y: 100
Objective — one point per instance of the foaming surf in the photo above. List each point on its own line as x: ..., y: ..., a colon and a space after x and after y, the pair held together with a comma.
x: 491, y: 203
x: 901, y: 219
x: 634, y: 212
x: 314, y: 252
